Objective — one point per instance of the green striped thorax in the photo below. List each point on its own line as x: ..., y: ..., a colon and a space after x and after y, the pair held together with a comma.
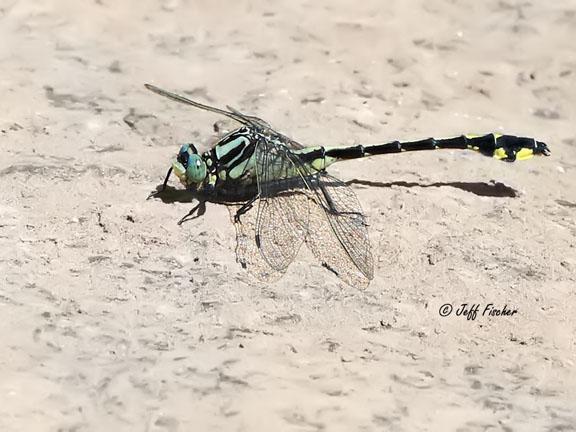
x: 229, y: 164
x: 189, y: 166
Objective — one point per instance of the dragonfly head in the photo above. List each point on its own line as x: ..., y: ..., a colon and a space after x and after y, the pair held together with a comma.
x: 189, y: 166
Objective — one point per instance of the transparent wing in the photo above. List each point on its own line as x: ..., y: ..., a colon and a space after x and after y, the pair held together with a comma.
x: 299, y: 202
x: 254, y: 119
x: 246, y: 120
x: 234, y: 114
x: 348, y: 251
x: 266, y: 129
x: 289, y: 142
x: 283, y: 213
x: 247, y: 253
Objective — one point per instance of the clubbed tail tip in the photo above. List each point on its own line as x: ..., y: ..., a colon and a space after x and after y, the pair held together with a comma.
x: 511, y: 148
x: 541, y: 149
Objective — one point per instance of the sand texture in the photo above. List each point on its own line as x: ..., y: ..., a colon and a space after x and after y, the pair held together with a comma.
x: 114, y: 318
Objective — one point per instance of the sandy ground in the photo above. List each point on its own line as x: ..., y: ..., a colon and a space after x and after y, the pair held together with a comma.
x: 113, y: 318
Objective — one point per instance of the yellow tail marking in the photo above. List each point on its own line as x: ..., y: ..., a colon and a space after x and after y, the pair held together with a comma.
x: 524, y: 153
x: 500, y: 153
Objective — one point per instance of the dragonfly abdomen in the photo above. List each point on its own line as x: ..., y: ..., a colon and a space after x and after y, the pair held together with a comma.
x: 506, y: 147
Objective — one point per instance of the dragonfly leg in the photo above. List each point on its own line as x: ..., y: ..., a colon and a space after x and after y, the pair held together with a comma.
x: 199, y: 209
x: 163, y: 188
x: 166, y: 180
x: 332, y: 206
x: 245, y: 207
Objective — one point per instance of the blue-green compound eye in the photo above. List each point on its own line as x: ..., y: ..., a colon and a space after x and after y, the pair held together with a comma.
x: 189, y: 167
x: 196, y: 169
x: 184, y: 154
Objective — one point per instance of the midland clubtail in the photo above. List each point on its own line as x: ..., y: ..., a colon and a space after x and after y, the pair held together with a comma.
x: 296, y: 200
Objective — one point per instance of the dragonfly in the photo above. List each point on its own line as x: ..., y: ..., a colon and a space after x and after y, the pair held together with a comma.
x: 283, y: 197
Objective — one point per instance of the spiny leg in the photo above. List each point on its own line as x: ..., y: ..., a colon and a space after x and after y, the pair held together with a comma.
x: 199, y: 209
x: 245, y: 208
x: 164, y: 185
x: 332, y: 206
x: 166, y: 180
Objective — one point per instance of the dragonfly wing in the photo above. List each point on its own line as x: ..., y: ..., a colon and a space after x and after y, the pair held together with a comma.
x: 248, y: 254
x: 235, y: 115
x: 283, y: 206
x: 290, y: 142
x: 350, y: 243
x: 297, y: 201
x: 254, y: 119
x: 266, y: 128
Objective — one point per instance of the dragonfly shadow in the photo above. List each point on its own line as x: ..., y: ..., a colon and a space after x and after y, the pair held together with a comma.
x: 171, y: 195
x: 492, y: 189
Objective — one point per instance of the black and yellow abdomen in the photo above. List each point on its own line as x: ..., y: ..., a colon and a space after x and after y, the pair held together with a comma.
x: 503, y: 147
